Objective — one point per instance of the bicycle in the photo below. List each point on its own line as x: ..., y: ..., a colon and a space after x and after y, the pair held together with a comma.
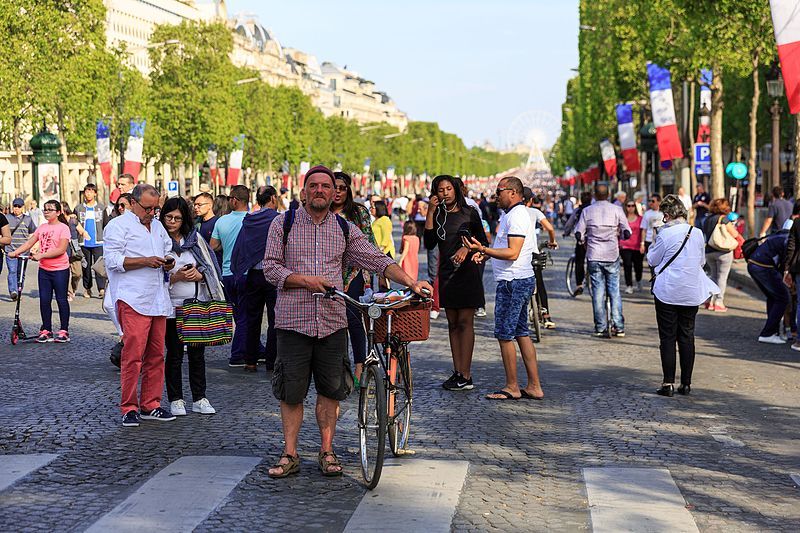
x: 535, y: 315
x: 386, y: 387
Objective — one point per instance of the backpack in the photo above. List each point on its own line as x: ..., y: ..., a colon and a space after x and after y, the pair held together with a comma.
x: 288, y: 222
x: 749, y: 246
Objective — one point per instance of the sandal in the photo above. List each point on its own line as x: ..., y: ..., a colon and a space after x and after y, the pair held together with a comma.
x: 505, y: 395
x: 287, y: 469
x: 325, y: 466
x: 528, y: 396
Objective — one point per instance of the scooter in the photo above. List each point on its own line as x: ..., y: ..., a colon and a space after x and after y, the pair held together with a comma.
x: 17, y: 332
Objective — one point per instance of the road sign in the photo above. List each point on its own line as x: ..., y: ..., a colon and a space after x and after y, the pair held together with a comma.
x: 172, y: 189
x: 702, y: 158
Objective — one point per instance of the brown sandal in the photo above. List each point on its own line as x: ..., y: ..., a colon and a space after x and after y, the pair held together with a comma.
x: 325, y: 466
x: 292, y: 467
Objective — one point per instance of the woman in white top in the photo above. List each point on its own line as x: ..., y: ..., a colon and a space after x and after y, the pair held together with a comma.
x: 195, y: 273
x: 680, y: 287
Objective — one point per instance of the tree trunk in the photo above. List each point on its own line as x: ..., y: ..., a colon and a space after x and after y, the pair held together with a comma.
x: 20, y: 182
x: 751, y: 163
x: 717, y: 103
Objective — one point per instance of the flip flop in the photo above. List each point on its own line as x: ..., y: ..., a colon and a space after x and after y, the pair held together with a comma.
x: 506, y: 396
x: 528, y: 396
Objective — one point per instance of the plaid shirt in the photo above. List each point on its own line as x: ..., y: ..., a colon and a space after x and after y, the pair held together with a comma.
x: 315, y: 250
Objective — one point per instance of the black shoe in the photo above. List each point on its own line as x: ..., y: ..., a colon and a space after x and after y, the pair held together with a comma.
x: 578, y: 290
x: 618, y: 332
x: 236, y: 363
x: 130, y: 420
x: 449, y: 381
x: 602, y: 335
x: 158, y: 414
x: 116, y: 355
x: 686, y: 390
x: 666, y: 390
x: 460, y: 383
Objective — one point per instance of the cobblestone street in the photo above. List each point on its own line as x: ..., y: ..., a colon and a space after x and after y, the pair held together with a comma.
x: 731, y: 447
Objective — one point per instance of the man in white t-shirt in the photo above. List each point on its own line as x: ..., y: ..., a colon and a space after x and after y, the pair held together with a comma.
x: 652, y: 220
x: 511, y: 254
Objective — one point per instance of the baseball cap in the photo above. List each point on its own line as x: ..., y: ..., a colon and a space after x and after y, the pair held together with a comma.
x: 284, y: 190
x: 18, y: 202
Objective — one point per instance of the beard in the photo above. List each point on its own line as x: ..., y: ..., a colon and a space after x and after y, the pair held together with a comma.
x: 319, y: 204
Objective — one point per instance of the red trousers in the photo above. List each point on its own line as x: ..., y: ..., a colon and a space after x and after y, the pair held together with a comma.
x: 142, y: 353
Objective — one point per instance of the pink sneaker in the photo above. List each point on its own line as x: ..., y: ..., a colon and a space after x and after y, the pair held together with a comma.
x: 62, y: 336
x: 44, y: 336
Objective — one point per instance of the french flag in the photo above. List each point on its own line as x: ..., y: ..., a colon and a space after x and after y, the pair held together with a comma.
x: 235, y: 160
x: 704, y: 131
x: 609, y: 158
x: 133, y: 152
x: 786, y: 20
x: 104, y: 151
x: 669, y: 142
x: 627, y: 138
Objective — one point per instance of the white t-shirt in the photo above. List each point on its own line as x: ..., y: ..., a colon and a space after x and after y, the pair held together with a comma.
x: 536, y: 216
x: 651, y: 221
x: 515, y: 223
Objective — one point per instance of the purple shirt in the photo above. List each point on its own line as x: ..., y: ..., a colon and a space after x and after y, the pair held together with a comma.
x: 601, y: 225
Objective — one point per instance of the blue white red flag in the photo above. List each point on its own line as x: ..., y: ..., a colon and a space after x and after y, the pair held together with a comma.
x: 133, y: 152
x: 704, y: 130
x: 104, y: 150
x: 669, y: 142
x: 609, y: 157
x: 786, y: 20
x: 235, y: 160
x: 627, y: 138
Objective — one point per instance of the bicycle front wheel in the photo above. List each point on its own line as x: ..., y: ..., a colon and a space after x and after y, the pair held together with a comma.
x: 570, y: 273
x: 372, y: 424
x: 400, y: 397
x: 535, y: 314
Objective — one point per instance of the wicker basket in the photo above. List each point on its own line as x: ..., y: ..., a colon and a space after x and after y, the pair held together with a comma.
x: 409, y: 323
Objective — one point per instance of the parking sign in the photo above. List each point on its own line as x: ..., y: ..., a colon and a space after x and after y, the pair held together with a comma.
x: 172, y: 189
x: 702, y: 158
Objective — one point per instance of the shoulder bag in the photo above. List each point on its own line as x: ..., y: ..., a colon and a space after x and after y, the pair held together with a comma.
x: 671, y: 259
x: 721, y: 240
x: 204, y: 323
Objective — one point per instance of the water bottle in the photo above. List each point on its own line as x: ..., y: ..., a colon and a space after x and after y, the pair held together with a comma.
x: 367, y: 298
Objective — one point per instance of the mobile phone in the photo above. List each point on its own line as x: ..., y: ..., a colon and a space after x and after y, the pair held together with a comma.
x: 186, y: 267
x: 169, y: 260
x: 465, y: 232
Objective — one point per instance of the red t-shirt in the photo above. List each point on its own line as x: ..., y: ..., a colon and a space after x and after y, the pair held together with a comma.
x: 411, y: 262
x: 50, y: 236
x: 635, y: 242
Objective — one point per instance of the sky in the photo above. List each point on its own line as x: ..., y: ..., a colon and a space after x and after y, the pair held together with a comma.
x: 491, y: 70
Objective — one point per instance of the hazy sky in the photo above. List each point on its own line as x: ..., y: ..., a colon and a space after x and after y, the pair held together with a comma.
x: 472, y: 66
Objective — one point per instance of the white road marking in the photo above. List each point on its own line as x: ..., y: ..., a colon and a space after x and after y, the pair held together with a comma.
x: 795, y: 478
x: 179, y: 497
x: 14, y: 467
x: 720, y: 434
x: 636, y: 499
x: 413, y: 495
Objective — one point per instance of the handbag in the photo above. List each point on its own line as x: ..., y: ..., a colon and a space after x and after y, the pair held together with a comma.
x: 721, y: 240
x: 671, y: 259
x: 99, y: 267
x: 204, y: 323
x: 75, y: 252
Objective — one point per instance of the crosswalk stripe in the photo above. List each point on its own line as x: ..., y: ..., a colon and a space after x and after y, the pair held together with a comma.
x: 413, y: 495
x: 14, y: 467
x: 636, y: 499
x: 179, y: 497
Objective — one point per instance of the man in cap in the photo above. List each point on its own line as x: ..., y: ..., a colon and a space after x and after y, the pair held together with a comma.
x: 21, y: 227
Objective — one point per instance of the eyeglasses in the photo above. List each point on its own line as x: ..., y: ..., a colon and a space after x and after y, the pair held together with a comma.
x: 203, y: 204
x: 499, y: 190
x: 630, y: 205
x: 341, y: 188
x: 172, y: 218
x: 49, y: 210
x: 147, y: 210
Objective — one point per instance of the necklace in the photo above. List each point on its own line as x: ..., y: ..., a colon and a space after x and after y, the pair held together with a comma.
x: 455, y: 206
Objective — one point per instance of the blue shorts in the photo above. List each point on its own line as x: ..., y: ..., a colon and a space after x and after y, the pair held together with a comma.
x: 511, y: 308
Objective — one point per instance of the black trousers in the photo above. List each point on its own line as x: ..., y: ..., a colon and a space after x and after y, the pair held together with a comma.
x: 355, y: 321
x: 541, y: 290
x: 259, y: 293
x: 580, y: 263
x: 91, y: 255
x: 632, y: 263
x: 676, y: 324
x: 173, y: 366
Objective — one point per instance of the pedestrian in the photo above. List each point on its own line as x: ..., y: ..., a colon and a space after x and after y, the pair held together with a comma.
x: 680, y: 286
x: 409, y: 250
x: 123, y: 204
x: 205, y: 218
x: 780, y: 209
x: 125, y: 184
x: 222, y: 204
x: 53, y: 239
x: 539, y: 220
x: 601, y: 226
x: 700, y: 203
x: 652, y: 220
x: 92, y: 217
x: 382, y: 228
x: 307, y: 345
x: 223, y: 239
x: 719, y: 261
x: 766, y: 266
x: 512, y: 254
x: 686, y: 200
x: 791, y: 269
x: 638, y: 198
x: 21, y: 227
x: 460, y: 282
x: 196, y: 275
x: 254, y: 292
x: 630, y: 249
x: 138, y: 253
x: 5, y: 238
x: 620, y: 198
x: 580, y: 247
x: 75, y: 259
x: 356, y: 281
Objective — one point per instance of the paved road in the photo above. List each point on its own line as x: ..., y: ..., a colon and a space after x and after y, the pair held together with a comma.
x: 724, y: 454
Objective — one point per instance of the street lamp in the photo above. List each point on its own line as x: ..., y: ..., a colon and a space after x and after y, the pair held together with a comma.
x: 775, y: 91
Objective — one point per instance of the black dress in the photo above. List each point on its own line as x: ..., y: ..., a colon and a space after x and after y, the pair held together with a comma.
x: 462, y: 287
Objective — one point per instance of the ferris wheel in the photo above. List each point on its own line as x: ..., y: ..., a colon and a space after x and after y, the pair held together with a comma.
x: 534, y: 131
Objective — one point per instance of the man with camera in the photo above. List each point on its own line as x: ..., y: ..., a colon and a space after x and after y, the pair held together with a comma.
x: 139, y: 290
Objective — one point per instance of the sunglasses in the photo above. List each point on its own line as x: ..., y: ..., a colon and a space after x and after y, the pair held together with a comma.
x: 630, y: 205
x: 147, y: 210
x: 499, y: 190
x: 341, y: 188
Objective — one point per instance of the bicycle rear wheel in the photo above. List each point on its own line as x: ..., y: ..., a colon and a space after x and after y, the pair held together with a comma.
x: 570, y: 273
x: 535, y: 315
x: 400, y: 397
x: 372, y: 424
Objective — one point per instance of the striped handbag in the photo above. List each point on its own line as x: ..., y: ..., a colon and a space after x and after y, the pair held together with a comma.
x: 202, y: 323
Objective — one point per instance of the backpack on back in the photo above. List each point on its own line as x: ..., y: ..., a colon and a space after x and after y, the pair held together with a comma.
x: 749, y: 246
x: 288, y: 222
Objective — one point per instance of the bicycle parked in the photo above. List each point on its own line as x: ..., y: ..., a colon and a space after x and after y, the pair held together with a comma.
x: 386, y: 387
x: 536, y: 308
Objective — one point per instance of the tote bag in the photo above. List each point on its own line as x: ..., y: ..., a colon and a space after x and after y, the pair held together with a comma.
x: 722, y: 240
x: 204, y: 323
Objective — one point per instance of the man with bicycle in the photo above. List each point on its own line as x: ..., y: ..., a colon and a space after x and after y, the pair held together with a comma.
x: 539, y: 220
x: 601, y: 226
x: 305, y: 255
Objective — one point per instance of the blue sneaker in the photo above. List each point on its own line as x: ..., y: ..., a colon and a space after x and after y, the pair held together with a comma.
x: 158, y: 414
x: 130, y: 420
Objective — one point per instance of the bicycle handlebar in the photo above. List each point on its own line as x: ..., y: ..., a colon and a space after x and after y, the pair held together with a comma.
x: 333, y: 291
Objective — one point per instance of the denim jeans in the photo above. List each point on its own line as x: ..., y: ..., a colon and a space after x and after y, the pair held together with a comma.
x: 13, y: 269
x: 770, y: 281
x: 605, y: 279
x: 511, y: 308
x: 238, y: 345
x: 53, y: 282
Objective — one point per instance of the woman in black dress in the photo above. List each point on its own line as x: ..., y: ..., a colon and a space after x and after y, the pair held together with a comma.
x: 460, y: 283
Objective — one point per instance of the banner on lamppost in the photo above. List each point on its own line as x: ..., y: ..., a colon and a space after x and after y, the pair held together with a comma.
x: 704, y: 128
x: 213, y: 165
x: 305, y: 166
x: 235, y: 161
x: 133, y: 151
x: 627, y: 138
x: 104, y: 150
x: 663, y: 108
x: 786, y: 22
x: 609, y: 157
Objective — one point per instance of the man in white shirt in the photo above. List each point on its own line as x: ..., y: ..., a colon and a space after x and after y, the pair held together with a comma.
x: 652, y: 220
x: 136, y: 252
x: 511, y: 253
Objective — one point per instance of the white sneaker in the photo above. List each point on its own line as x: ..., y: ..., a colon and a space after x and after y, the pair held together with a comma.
x: 629, y: 290
x: 177, y: 408
x: 772, y: 339
x: 480, y: 312
x: 203, y: 407
x: 434, y: 315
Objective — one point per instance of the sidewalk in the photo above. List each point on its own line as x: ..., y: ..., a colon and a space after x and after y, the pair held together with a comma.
x: 740, y: 279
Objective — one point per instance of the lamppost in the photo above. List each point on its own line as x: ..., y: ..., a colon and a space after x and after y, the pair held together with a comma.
x: 775, y: 91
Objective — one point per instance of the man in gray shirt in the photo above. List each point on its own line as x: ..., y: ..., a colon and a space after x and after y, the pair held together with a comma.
x: 601, y: 226
x: 21, y: 227
x: 780, y: 209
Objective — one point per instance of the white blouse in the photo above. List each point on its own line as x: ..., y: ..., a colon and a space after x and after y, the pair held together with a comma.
x: 683, y: 282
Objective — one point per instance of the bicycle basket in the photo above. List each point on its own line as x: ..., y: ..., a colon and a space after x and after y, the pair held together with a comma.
x: 540, y: 260
x: 409, y: 323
